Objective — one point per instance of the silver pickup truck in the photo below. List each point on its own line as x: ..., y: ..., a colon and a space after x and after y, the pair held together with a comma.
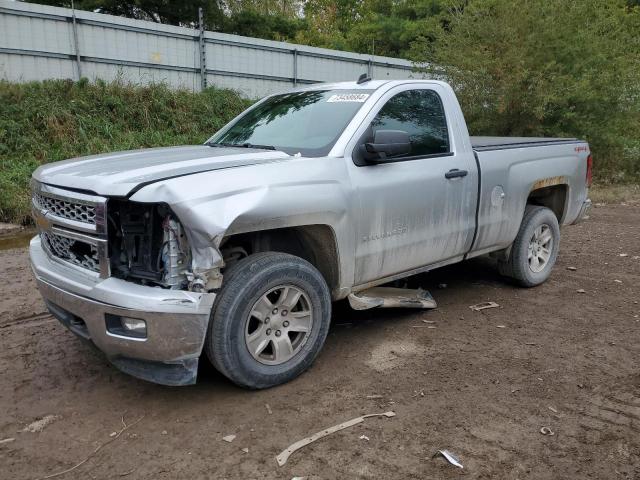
x: 237, y: 248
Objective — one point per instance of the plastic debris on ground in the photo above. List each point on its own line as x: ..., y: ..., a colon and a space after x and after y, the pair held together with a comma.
x: 483, y: 306
x: 285, y: 454
x: 451, y: 458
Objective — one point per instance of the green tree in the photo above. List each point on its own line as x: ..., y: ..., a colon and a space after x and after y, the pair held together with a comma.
x: 545, y: 67
x: 381, y: 27
x: 328, y: 22
x: 173, y: 13
x: 388, y: 27
x: 284, y: 8
x: 271, y: 19
x: 251, y: 23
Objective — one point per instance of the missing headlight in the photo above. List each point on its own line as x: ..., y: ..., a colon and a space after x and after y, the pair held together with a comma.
x: 147, y: 244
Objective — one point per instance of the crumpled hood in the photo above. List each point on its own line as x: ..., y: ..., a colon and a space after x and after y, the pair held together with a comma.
x: 119, y: 173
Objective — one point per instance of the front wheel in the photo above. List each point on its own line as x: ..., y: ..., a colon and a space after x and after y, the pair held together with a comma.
x: 269, y: 320
x: 535, y: 249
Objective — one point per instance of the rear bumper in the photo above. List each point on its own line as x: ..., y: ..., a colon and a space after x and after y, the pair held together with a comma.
x: 176, y: 320
x: 584, y: 211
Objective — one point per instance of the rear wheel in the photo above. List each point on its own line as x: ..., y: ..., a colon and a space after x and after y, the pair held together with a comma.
x: 269, y: 320
x: 535, y: 249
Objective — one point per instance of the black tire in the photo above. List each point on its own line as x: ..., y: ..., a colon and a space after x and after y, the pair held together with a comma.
x: 517, y: 266
x: 243, y: 285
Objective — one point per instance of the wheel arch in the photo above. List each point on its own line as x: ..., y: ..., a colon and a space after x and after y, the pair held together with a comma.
x: 554, y: 197
x: 316, y: 244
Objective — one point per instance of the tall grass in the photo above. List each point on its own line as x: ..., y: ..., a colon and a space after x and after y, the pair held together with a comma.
x: 42, y: 122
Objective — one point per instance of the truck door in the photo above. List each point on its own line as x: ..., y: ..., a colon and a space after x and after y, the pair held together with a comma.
x: 416, y: 209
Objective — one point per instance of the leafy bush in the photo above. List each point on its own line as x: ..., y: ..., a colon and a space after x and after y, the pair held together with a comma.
x: 546, y: 68
x: 43, y: 122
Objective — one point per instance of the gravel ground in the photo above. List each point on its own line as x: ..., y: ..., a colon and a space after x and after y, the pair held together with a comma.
x: 481, y: 384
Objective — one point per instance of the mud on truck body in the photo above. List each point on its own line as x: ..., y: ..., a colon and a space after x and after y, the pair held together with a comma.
x: 235, y: 249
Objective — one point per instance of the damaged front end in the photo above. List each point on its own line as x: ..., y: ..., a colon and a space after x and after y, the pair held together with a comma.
x: 148, y: 245
x: 119, y: 274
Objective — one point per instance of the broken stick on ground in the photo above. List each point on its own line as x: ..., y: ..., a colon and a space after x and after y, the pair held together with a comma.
x: 98, y: 448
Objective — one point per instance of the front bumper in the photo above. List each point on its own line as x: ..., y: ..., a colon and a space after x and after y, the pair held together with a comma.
x: 176, y: 320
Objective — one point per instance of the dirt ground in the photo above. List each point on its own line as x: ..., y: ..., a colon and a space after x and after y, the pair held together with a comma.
x: 481, y: 384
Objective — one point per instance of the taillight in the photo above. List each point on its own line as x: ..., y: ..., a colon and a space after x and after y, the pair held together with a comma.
x: 589, y: 170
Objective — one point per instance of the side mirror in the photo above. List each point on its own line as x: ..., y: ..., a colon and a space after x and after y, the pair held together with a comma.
x: 387, y: 143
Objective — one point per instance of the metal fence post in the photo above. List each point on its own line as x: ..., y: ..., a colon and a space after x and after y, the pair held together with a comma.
x: 76, y: 44
x: 370, y: 68
x: 295, y: 67
x: 203, y: 50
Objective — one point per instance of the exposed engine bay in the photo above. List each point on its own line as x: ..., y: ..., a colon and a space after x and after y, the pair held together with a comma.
x: 148, y: 245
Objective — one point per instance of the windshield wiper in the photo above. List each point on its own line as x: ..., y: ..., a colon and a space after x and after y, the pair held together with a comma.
x: 242, y: 145
x: 263, y: 147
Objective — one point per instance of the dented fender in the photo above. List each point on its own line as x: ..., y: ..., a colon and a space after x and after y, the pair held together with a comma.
x: 298, y: 192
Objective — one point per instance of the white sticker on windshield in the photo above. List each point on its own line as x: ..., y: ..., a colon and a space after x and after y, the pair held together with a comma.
x: 348, y: 97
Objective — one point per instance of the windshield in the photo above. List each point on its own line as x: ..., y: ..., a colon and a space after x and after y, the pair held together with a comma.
x: 307, y: 122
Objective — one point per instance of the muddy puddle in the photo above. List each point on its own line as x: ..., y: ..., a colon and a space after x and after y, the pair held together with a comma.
x: 20, y: 239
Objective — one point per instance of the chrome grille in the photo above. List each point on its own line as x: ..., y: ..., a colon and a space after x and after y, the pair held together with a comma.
x: 71, y: 250
x: 69, y: 210
x: 72, y: 226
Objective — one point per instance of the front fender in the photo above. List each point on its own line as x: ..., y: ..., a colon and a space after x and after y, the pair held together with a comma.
x: 213, y: 205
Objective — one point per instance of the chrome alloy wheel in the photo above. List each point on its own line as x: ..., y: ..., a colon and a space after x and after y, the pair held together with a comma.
x: 540, y: 248
x: 279, y: 325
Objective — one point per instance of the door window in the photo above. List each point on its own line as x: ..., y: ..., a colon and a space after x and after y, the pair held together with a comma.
x: 420, y: 113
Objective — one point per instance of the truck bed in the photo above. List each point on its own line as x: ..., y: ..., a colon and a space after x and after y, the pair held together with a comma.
x: 502, y: 143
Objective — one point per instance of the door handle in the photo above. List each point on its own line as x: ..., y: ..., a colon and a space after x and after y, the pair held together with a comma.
x: 455, y: 173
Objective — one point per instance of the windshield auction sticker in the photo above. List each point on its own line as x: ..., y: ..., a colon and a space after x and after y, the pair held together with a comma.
x: 348, y: 97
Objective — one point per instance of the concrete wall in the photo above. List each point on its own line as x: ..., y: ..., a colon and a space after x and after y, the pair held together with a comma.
x: 37, y: 42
